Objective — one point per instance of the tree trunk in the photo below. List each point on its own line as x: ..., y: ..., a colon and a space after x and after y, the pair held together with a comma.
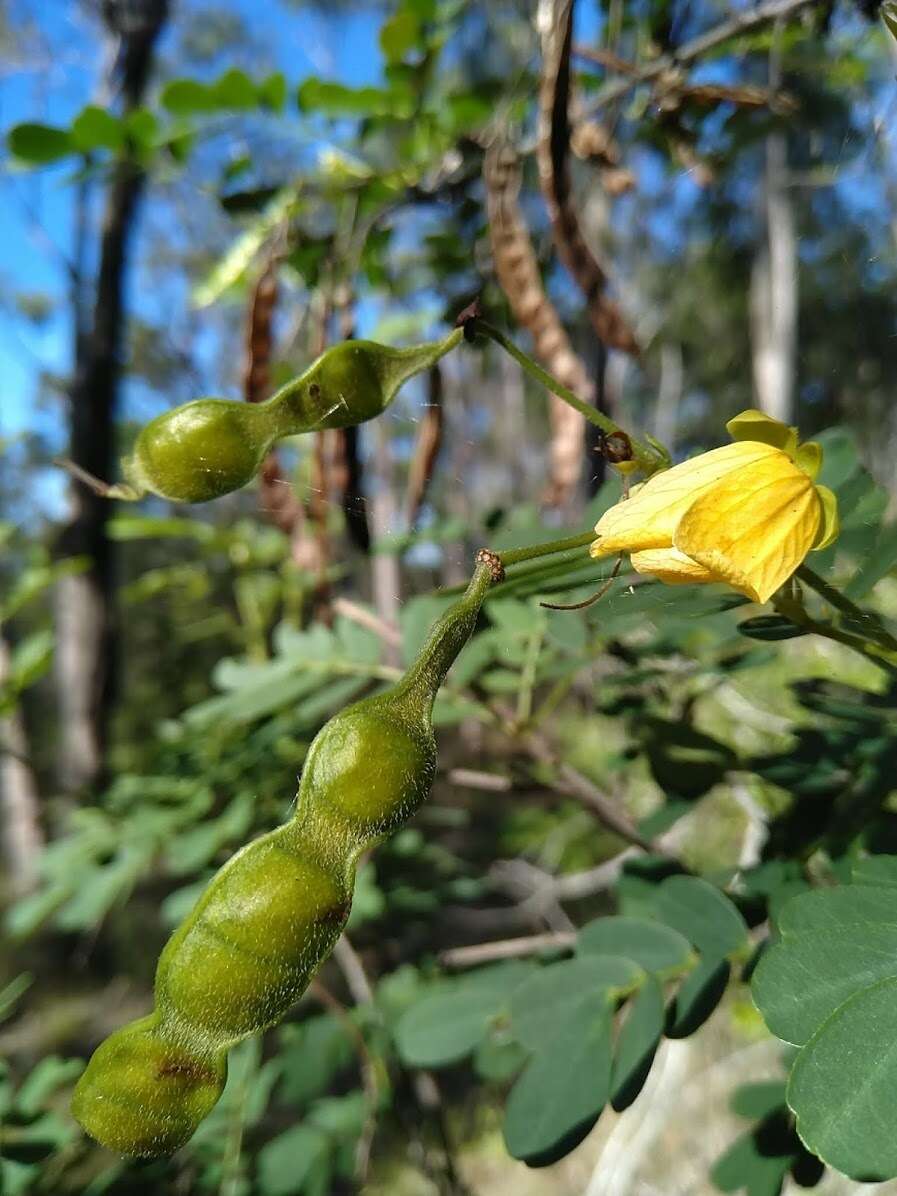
x: 386, y: 578
x: 669, y: 395
x: 774, y: 280
x: 19, y: 800
x: 85, y: 619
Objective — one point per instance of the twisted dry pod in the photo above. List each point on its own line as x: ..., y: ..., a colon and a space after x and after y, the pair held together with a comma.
x: 273, y: 913
x: 210, y: 447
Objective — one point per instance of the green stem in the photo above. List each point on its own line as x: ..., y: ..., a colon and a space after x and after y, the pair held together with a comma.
x: 883, y: 657
x: 515, y: 556
x: 528, y: 678
x: 841, y: 602
x: 647, y: 457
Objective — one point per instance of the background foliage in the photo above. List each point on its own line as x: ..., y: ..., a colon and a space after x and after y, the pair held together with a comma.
x: 649, y: 814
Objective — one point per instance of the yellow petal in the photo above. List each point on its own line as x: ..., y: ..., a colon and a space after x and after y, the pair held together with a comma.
x: 756, y: 425
x: 754, y: 528
x: 671, y: 566
x: 828, y: 531
x: 649, y: 517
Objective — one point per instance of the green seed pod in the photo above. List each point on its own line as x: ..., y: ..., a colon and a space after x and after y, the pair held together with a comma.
x: 273, y: 913
x: 199, y: 451
x: 211, y: 447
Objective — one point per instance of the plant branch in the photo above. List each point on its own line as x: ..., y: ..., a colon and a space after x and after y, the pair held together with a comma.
x: 626, y: 449
x: 470, y: 957
x: 516, y: 556
x: 845, y: 605
x: 568, y: 780
x: 735, y: 26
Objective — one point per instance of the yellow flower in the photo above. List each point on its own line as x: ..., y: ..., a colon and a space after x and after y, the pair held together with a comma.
x: 746, y: 514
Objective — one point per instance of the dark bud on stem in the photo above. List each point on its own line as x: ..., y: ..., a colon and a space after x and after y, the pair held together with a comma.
x: 467, y: 319
x: 617, y: 448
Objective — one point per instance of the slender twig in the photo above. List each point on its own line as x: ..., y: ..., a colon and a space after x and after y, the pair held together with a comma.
x: 735, y: 26
x: 523, y: 877
x: 388, y: 632
x: 349, y: 963
x: 571, y: 781
x: 470, y: 778
x: 568, y: 780
x: 469, y: 957
x: 368, y: 1066
x: 606, y: 58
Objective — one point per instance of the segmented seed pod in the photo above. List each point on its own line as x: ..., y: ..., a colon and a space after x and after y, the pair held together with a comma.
x: 273, y: 913
x: 210, y: 447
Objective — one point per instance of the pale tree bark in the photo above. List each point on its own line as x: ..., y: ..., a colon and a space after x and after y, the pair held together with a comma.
x: 774, y: 279
x: 86, y: 640
x: 385, y: 576
x: 669, y: 395
x: 22, y: 837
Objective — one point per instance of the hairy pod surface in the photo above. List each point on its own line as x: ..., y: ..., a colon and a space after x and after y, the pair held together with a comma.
x: 272, y: 914
x: 210, y: 447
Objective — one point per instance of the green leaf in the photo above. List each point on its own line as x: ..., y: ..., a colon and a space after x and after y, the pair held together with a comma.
x: 517, y: 618
x: 51, y: 1073
x: 236, y: 90
x: 756, y: 1101
x: 146, y: 527
x: 445, y: 1027
x: 770, y: 628
x: 498, y: 1058
x: 399, y: 34
x: 142, y: 127
x: 560, y: 1095
x: 875, y: 564
x: 706, y: 917
x: 834, y: 942
x: 754, y: 1164
x: 272, y: 92
x: 553, y: 993
x: 654, y: 947
x: 875, y: 870
x: 698, y: 996
x: 187, y: 97
x: 684, y: 761
x: 335, y: 99
x: 842, y: 1086
x: 233, y: 267
x: 286, y: 1162
x: 339, y: 1116
x: 840, y: 458
x: 467, y: 112
x: 195, y: 847
x: 11, y: 992
x: 636, y: 1044
x: 39, y: 144
x: 312, y: 1053
x: 30, y: 659
x: 95, y: 128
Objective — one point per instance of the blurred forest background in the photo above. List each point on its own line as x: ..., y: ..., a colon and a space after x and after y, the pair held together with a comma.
x: 685, y: 208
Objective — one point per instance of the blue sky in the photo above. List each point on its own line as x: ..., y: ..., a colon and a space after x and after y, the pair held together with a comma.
x: 54, y: 80
x: 56, y: 76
